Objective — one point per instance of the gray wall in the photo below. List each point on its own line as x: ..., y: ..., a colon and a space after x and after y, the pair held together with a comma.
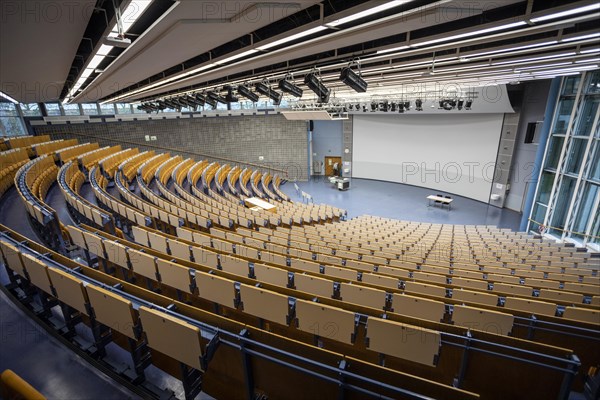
x: 282, y: 143
x: 532, y: 109
x: 327, y: 141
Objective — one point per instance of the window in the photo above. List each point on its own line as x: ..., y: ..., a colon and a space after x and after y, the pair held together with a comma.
x: 563, y: 116
x: 585, y: 120
x: 31, y: 110
x: 71, y: 109
x: 530, y: 132
x: 123, y: 108
x: 595, y: 168
x: 562, y: 205
x: 107, y: 109
x: 571, y: 84
x: 545, y: 187
x: 538, y: 215
x: 89, y: 108
x: 593, y: 84
x: 11, y: 123
x: 554, y: 150
x: 53, y: 109
x: 575, y: 155
x: 585, y: 209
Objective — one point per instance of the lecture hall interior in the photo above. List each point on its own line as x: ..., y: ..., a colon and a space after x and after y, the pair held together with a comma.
x: 300, y: 199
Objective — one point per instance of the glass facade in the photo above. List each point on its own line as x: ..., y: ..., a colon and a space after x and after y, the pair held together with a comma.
x: 567, y: 195
x: 11, y: 123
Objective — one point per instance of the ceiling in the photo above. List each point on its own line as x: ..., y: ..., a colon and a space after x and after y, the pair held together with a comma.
x: 402, y: 47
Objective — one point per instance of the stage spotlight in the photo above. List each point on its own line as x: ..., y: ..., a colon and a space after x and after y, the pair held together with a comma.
x: 401, y: 108
x: 419, y: 105
x: 353, y: 80
x: 460, y: 104
x: 407, y: 105
x: 468, y: 104
x: 210, y: 101
x: 314, y: 83
x: 350, y: 107
x: 373, y: 107
x: 216, y: 97
x: 247, y: 93
x: 200, y: 99
x: 393, y: 107
x: 290, y: 88
x: 264, y: 89
x: 230, y: 97
x: 384, y: 106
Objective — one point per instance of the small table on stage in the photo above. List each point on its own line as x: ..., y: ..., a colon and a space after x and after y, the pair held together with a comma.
x: 441, y: 200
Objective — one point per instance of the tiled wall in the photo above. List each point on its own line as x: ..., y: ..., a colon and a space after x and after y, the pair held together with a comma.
x: 282, y: 143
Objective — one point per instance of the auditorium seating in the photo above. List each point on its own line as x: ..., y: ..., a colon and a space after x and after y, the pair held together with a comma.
x: 174, y: 259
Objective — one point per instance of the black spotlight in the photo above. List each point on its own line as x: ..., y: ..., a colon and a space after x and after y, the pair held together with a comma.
x: 247, y: 93
x: 401, y: 108
x: 216, y: 97
x: 468, y: 104
x: 353, y: 80
x: 289, y: 87
x: 350, y: 107
x: 419, y: 104
x: 230, y: 97
x: 460, y: 104
x: 384, y: 106
x: 393, y: 107
x: 373, y: 107
x: 407, y: 105
x: 210, y: 101
x: 441, y: 104
x: 264, y: 89
x: 200, y: 99
x: 314, y: 83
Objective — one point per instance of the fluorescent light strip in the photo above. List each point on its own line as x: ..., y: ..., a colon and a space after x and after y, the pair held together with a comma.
x: 534, y: 58
x: 588, y: 51
x: 469, y: 34
x: 529, y: 46
x: 7, y: 97
x: 392, y: 49
x: 292, y: 37
x: 578, y: 10
x: 235, y: 57
x: 547, y: 65
x: 366, y: 13
x: 588, y: 60
x: 572, y: 39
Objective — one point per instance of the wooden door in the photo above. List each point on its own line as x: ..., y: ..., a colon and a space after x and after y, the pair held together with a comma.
x: 329, y: 162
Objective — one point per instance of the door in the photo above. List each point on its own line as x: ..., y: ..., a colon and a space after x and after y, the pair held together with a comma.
x: 329, y: 162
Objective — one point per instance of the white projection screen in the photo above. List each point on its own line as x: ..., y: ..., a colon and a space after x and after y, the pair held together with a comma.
x: 447, y: 153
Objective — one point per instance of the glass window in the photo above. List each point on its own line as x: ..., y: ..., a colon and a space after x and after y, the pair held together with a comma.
x: 89, y: 108
x: 11, y: 126
x: 595, y: 231
x: 554, y: 150
x: 570, y: 85
x: 563, y: 115
x: 586, y: 116
x: 595, y: 167
x: 8, y: 109
x: 562, y: 205
x: 575, y: 155
x: 593, y: 83
x: 546, y: 186
x: 31, y: 110
x: 71, y: 109
x: 538, y: 215
x: 53, y: 109
x: 585, y: 209
x: 123, y: 108
x: 107, y: 109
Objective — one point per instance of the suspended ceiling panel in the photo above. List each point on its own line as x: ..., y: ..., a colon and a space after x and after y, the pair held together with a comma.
x: 38, y: 41
x: 406, y: 22
x: 188, y: 29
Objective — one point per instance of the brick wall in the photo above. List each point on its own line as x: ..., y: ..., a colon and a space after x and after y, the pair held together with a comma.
x: 282, y: 143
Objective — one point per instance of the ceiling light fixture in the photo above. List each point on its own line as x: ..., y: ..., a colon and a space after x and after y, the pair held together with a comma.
x: 565, y: 13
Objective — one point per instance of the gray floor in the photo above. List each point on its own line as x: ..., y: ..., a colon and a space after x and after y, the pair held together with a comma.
x: 405, y: 202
